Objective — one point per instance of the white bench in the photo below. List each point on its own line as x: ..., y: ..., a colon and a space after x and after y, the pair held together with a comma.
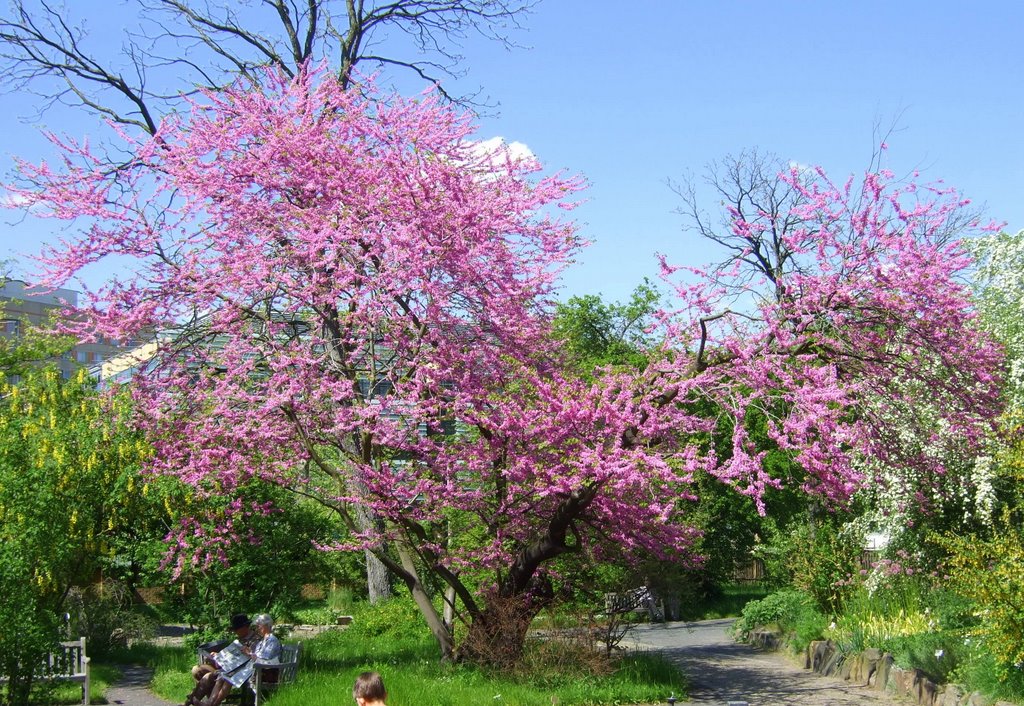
x: 69, y: 663
x: 637, y: 600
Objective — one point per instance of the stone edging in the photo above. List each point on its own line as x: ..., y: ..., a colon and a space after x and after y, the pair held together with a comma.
x: 875, y: 669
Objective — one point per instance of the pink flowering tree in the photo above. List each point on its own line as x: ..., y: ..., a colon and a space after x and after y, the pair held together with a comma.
x: 359, y: 296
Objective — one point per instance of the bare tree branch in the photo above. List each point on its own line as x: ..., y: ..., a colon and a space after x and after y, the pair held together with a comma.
x: 173, y: 48
x: 46, y: 47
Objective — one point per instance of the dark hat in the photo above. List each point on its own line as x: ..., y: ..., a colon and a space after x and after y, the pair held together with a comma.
x: 239, y: 621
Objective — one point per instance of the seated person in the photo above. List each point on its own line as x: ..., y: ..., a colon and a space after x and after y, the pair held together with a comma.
x: 266, y: 651
x: 206, y: 673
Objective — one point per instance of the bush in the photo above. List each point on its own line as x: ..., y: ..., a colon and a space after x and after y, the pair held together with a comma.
x: 937, y: 654
x: 980, y: 671
x: 792, y: 612
x: 105, y: 615
x: 392, y: 618
x: 990, y: 572
x: 267, y: 577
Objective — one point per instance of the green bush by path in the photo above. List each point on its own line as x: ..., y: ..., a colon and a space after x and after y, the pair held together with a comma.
x: 792, y: 612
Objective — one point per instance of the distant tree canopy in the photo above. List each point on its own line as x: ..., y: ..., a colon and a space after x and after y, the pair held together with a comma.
x: 597, y: 334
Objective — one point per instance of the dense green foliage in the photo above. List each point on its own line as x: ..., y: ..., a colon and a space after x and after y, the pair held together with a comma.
x: 597, y: 334
x: 793, y: 613
x: 265, y: 573
x: 66, y: 480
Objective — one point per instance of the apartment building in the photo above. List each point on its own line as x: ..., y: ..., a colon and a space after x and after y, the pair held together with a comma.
x: 22, y: 305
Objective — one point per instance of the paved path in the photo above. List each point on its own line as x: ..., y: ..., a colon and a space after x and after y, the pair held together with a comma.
x: 721, y: 670
x: 133, y: 689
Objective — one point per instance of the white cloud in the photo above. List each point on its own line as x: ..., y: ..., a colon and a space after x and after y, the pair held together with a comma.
x: 14, y: 201
x: 493, y: 152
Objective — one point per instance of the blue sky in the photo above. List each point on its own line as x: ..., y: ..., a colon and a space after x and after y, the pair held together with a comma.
x: 634, y: 94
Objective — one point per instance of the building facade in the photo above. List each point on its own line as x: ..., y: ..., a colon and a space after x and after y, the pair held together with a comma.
x: 22, y: 306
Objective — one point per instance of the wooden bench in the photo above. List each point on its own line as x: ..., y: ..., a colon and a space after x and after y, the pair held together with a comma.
x: 266, y: 677
x: 270, y: 677
x: 69, y: 663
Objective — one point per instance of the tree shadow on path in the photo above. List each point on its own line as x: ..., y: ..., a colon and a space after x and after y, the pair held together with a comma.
x: 721, y: 670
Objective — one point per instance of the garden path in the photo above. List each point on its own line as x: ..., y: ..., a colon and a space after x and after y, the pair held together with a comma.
x: 721, y: 670
x: 133, y: 688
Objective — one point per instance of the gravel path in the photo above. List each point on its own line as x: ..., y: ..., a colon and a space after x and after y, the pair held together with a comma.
x: 721, y: 670
x: 133, y: 689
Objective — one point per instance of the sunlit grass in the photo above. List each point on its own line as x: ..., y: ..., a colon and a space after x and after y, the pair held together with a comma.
x: 414, y: 675
x: 101, y: 676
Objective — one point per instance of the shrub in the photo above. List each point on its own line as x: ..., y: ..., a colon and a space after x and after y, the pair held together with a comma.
x: 823, y: 557
x: 990, y: 572
x: 980, y: 671
x: 104, y: 614
x: 392, y: 618
x: 793, y: 612
x: 938, y: 654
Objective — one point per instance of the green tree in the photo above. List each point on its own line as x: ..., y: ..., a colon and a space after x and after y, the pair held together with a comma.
x: 265, y: 573
x: 597, y: 334
x: 67, y: 469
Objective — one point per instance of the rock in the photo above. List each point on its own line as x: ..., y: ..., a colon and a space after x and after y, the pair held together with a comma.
x: 882, y: 672
x: 816, y: 653
x: 851, y: 668
x: 834, y: 662
x: 869, y: 660
x: 901, y: 679
x: 952, y: 695
x: 926, y: 692
x: 767, y: 639
x: 976, y: 699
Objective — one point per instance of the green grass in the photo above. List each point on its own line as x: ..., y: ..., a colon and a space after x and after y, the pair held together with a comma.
x: 728, y: 602
x: 172, y: 678
x: 408, y: 660
x: 101, y: 676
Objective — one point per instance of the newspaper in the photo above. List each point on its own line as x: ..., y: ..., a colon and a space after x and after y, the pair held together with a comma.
x: 240, y: 676
x: 235, y: 666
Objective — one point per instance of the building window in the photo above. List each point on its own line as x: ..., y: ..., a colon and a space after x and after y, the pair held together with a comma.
x: 10, y: 327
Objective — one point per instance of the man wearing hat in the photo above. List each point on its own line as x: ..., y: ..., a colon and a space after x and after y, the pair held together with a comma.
x: 206, y: 673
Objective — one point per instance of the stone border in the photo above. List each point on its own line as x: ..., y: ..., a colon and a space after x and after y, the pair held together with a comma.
x: 875, y: 669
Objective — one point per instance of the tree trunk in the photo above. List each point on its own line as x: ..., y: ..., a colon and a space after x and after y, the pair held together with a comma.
x: 448, y: 615
x: 419, y: 594
x: 497, y: 637
x: 378, y: 578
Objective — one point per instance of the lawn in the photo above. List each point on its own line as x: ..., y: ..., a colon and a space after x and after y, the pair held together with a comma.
x: 406, y: 656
